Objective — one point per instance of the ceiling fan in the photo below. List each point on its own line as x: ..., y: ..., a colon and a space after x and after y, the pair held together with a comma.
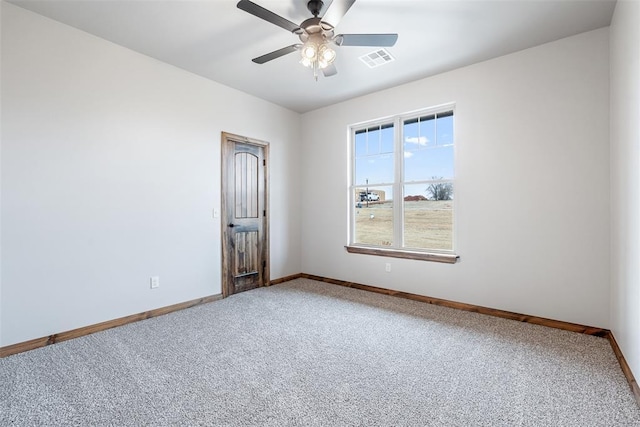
x: 317, y: 34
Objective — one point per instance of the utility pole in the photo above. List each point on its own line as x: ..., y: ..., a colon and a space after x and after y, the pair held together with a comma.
x: 366, y: 195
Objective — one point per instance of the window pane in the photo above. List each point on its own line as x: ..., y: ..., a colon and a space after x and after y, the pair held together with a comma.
x: 387, y: 139
x: 374, y: 140
x: 428, y: 130
x: 374, y: 162
x: 377, y: 169
x: 373, y: 215
x: 428, y: 223
x: 445, y: 128
x: 361, y: 144
x: 428, y: 150
x: 411, y: 133
x: 428, y: 163
x: 419, y: 133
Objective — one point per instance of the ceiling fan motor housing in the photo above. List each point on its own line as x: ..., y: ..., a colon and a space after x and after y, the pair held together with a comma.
x: 314, y: 28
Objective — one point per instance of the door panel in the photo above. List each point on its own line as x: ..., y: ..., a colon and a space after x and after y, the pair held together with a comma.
x: 247, y: 257
x: 244, y: 207
x: 246, y: 185
x: 247, y: 261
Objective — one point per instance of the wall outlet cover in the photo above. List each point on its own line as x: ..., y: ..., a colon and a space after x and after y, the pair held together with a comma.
x: 155, y: 282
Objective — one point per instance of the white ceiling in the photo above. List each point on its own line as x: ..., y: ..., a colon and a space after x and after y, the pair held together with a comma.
x: 216, y: 40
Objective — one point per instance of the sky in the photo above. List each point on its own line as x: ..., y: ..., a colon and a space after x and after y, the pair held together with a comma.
x: 427, y: 153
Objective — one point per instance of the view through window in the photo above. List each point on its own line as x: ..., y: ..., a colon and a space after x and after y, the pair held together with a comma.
x: 403, y: 182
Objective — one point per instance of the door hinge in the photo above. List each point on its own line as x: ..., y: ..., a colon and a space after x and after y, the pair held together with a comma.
x: 264, y: 162
x: 264, y: 213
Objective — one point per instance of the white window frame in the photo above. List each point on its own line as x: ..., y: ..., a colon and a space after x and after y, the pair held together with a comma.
x: 397, y: 250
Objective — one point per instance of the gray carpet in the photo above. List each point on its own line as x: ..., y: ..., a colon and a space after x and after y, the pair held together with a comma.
x: 306, y: 353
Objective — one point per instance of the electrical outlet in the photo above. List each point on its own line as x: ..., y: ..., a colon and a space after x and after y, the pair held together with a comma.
x: 155, y: 282
x: 387, y: 267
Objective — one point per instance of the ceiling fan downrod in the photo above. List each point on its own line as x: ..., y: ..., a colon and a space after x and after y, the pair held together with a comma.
x: 315, y: 6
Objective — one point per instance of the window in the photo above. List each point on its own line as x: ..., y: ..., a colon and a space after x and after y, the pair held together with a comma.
x: 402, y: 186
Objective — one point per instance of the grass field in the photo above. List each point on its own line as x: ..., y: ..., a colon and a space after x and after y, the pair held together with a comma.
x: 428, y: 224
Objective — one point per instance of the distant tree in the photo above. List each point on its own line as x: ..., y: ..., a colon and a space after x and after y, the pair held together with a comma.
x: 440, y: 190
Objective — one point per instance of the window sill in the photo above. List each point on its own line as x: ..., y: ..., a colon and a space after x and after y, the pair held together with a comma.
x: 398, y: 253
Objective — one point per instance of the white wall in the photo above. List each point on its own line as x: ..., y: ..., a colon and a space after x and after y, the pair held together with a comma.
x: 625, y: 180
x: 110, y: 172
x: 532, y: 183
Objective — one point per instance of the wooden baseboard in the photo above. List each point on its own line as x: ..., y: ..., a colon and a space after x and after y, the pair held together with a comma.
x: 626, y: 370
x: 285, y: 279
x: 573, y: 327
x: 86, y: 330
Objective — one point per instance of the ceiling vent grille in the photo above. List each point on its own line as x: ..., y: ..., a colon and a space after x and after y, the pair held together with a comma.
x: 377, y: 58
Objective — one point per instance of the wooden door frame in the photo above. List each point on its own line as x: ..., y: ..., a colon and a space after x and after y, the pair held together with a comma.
x: 228, y: 142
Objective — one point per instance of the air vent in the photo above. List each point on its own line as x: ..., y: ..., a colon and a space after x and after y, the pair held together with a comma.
x: 377, y: 58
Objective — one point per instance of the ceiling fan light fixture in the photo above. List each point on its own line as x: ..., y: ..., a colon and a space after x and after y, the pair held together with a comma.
x: 317, y: 55
x: 326, y: 54
x: 309, y: 51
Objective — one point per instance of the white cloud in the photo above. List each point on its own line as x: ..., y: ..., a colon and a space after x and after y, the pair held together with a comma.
x: 407, y: 154
x: 420, y: 140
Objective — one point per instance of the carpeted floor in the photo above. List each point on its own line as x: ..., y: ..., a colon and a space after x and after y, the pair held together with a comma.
x: 305, y: 353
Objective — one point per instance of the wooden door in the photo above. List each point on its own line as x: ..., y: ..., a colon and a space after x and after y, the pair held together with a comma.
x: 245, y: 243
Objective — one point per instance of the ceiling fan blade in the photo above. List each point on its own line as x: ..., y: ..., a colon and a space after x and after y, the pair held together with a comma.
x: 329, y: 70
x: 378, y: 40
x: 267, y: 15
x: 276, y: 54
x: 337, y: 9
